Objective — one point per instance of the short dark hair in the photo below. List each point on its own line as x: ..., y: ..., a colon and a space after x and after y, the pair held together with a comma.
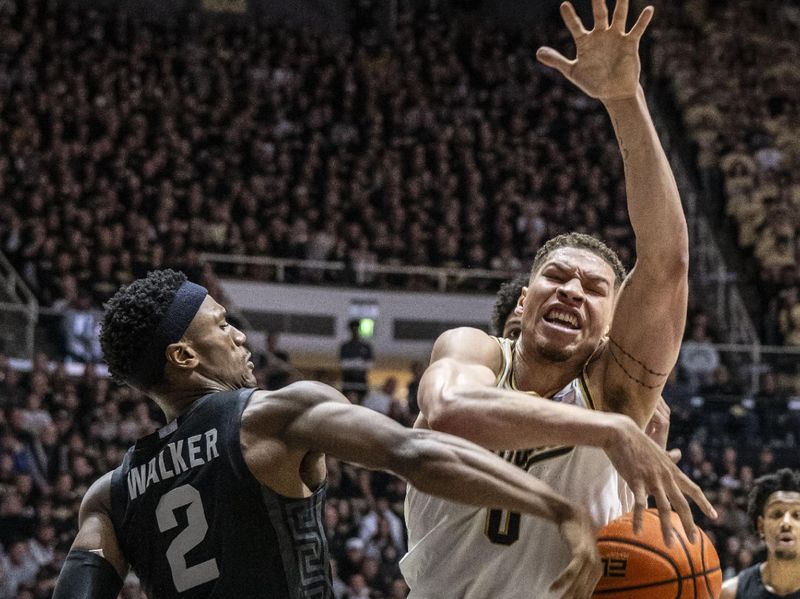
x: 505, y: 301
x: 131, y: 319
x: 784, y: 479
x: 583, y: 242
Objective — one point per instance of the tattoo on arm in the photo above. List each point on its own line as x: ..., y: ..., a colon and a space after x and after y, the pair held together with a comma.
x: 639, y: 362
x: 628, y: 374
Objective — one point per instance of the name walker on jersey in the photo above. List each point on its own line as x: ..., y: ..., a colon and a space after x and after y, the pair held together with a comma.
x: 176, y: 457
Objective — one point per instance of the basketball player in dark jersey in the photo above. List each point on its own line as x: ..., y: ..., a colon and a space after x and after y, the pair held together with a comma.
x: 225, y: 501
x: 774, y: 508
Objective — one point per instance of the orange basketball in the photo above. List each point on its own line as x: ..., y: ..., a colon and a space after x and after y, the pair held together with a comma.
x: 642, y: 566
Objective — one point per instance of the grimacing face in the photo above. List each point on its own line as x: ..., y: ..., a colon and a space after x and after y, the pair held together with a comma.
x: 779, y: 525
x: 568, y: 305
x: 219, y: 347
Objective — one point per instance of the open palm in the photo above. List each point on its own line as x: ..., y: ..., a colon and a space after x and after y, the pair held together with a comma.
x: 607, y: 63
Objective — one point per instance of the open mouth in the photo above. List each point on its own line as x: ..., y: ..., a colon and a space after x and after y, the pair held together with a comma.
x: 562, y: 318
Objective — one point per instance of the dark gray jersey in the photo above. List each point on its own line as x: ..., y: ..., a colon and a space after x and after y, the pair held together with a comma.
x: 752, y: 587
x: 195, y: 524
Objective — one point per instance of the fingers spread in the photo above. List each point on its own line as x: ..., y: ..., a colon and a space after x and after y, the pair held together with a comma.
x: 554, y: 59
x: 600, y: 11
x: 641, y: 24
x: 640, y: 505
x: 572, y: 20
x: 620, y: 16
x: 681, y: 506
x: 692, y: 490
x: 665, y: 515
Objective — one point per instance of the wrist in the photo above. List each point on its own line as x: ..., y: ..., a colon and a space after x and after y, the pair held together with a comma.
x: 615, y: 430
x: 626, y: 103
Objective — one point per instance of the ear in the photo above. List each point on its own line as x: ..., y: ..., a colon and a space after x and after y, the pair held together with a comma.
x: 760, y: 527
x: 181, y: 355
x: 518, y: 309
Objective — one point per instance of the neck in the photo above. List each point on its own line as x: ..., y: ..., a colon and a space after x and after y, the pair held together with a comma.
x: 533, y: 372
x: 175, y: 399
x: 781, y: 577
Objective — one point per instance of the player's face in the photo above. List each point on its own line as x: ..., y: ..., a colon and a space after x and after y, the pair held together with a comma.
x: 220, y: 347
x: 568, y: 305
x: 780, y: 525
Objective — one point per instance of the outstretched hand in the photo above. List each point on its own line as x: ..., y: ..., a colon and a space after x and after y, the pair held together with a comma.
x: 607, y: 64
x: 649, y: 470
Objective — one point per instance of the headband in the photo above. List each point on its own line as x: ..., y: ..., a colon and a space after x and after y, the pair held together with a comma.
x: 150, y: 366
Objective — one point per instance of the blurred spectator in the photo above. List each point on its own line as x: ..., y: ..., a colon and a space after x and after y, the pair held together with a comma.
x: 417, y: 370
x: 355, y: 358
x: 81, y: 333
x: 275, y: 369
x: 382, y: 400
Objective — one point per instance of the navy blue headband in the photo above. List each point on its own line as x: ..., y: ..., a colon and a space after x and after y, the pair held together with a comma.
x: 150, y: 366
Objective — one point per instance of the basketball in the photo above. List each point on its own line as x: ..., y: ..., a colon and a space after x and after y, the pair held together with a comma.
x: 642, y: 566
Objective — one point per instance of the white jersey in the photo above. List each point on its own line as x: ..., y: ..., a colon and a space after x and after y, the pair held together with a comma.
x: 464, y: 552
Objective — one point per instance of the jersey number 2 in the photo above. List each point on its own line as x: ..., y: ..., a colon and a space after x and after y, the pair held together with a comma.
x: 185, y: 577
x: 502, y: 527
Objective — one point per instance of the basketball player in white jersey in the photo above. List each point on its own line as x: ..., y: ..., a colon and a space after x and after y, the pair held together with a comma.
x: 569, y: 399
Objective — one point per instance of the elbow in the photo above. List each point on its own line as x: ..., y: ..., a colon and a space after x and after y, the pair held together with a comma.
x: 448, y: 416
x: 676, y: 265
x: 667, y: 263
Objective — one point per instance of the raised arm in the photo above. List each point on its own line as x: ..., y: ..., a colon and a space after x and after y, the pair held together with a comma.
x: 95, y: 567
x: 652, y: 301
x: 313, y: 417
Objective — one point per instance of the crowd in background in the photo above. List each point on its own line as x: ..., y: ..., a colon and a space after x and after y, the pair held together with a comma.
x: 732, y: 68
x: 131, y: 146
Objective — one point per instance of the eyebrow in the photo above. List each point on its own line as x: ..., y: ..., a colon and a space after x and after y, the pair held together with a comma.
x: 567, y: 267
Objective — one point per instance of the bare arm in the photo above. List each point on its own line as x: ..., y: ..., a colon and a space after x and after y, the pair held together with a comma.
x: 314, y: 417
x: 95, y: 530
x: 95, y: 535
x: 633, y: 369
x: 457, y: 395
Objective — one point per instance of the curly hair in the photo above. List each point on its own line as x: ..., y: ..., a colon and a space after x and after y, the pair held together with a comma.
x: 504, y: 302
x: 131, y: 318
x: 784, y: 479
x: 583, y: 242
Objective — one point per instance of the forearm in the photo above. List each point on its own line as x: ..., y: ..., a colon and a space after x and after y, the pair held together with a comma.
x: 654, y: 205
x: 503, y: 419
x: 449, y: 467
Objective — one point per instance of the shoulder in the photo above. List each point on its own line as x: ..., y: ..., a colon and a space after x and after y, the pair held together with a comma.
x: 469, y: 345
x: 98, y: 498
x: 271, y: 411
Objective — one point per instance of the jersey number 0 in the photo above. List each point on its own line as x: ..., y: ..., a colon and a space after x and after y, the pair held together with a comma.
x: 502, y: 527
x: 185, y: 577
